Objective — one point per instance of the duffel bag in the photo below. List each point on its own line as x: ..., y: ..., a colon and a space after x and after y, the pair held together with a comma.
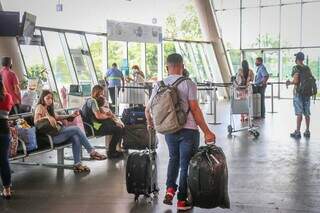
x: 28, y: 135
x: 134, y: 115
x: 208, y: 178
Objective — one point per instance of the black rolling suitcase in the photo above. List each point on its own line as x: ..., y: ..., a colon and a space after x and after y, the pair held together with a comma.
x: 137, y: 137
x: 208, y: 178
x: 141, y: 173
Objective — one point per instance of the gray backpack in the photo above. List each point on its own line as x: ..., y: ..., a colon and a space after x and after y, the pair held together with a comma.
x: 166, y: 110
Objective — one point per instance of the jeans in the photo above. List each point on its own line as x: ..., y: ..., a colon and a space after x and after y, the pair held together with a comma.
x: 112, y: 91
x: 109, y: 127
x: 4, y: 160
x: 182, y: 146
x: 77, y: 138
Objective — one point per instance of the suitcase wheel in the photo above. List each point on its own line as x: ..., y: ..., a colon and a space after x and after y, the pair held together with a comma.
x: 148, y: 198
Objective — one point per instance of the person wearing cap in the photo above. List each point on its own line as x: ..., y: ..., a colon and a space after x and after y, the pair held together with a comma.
x: 114, y: 77
x: 11, y: 83
x: 260, y: 83
x: 301, y: 103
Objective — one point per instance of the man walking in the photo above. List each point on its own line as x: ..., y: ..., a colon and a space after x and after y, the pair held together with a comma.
x: 302, y: 81
x: 183, y: 143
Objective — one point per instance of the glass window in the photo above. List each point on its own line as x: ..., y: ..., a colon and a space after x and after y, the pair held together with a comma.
x: 251, y: 56
x: 136, y: 55
x: 152, y: 61
x: 60, y: 61
x: 81, y: 58
x: 188, y: 58
x: 250, y: 28
x: 313, y: 61
x: 287, y: 62
x: 98, y: 50
x: 229, y: 23
x: 117, y: 53
x: 269, y: 2
x: 310, y: 33
x: 234, y: 56
x: 250, y: 3
x: 270, y: 23
x: 271, y: 61
x: 37, y: 68
x: 290, y: 1
x: 290, y: 25
x: 169, y: 47
x: 223, y: 4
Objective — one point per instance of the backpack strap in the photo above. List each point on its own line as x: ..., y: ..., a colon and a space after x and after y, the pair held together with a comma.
x: 179, y: 80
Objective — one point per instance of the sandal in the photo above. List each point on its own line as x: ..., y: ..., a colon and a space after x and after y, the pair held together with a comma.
x: 6, y: 194
x: 80, y: 168
x: 97, y: 156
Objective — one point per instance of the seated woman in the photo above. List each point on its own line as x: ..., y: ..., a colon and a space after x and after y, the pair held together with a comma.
x: 102, y: 122
x: 45, y: 110
x: 244, y: 77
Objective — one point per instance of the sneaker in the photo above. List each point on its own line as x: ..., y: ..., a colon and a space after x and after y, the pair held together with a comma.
x: 169, y: 196
x: 183, y: 205
x: 295, y: 134
x: 306, y: 134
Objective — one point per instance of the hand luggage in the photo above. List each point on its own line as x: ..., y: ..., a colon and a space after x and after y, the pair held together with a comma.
x: 256, y: 105
x: 134, y: 115
x: 208, y: 178
x: 141, y: 173
x: 137, y: 137
x: 28, y: 135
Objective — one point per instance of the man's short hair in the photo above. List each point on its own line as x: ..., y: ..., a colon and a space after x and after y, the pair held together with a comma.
x: 174, y: 58
x: 6, y: 61
x: 259, y: 59
x: 114, y: 65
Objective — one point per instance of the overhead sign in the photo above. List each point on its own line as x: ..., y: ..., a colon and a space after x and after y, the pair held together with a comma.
x: 125, y: 31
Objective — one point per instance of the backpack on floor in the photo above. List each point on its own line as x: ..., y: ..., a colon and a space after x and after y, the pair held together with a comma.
x: 208, y: 178
x: 307, y: 86
x: 167, y: 113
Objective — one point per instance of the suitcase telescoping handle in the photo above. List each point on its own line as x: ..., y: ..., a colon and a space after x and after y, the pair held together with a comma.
x: 150, y: 132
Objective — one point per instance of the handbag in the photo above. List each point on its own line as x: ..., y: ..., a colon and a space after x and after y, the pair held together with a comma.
x: 74, y: 121
x: 44, y: 127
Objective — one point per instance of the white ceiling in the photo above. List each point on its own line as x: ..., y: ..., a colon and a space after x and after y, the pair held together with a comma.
x: 91, y: 15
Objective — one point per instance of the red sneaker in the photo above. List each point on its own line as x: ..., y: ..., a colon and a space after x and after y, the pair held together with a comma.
x: 184, y: 205
x: 169, y: 196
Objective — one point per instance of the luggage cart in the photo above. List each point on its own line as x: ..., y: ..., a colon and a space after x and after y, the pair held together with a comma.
x: 241, y: 103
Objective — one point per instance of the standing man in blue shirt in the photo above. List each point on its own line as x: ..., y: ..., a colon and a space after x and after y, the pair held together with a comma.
x: 260, y: 83
x: 114, y: 78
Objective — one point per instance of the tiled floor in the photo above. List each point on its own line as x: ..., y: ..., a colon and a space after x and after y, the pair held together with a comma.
x: 271, y: 174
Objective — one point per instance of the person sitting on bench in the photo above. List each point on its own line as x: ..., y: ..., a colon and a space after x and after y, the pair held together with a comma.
x: 45, y: 110
x: 103, y: 123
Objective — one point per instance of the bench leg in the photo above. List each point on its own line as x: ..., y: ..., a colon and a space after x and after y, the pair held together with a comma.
x: 24, y: 163
x: 107, y: 140
x: 60, y: 161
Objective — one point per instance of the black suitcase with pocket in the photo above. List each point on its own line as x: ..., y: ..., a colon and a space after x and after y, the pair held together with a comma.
x: 137, y: 137
x: 141, y: 173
